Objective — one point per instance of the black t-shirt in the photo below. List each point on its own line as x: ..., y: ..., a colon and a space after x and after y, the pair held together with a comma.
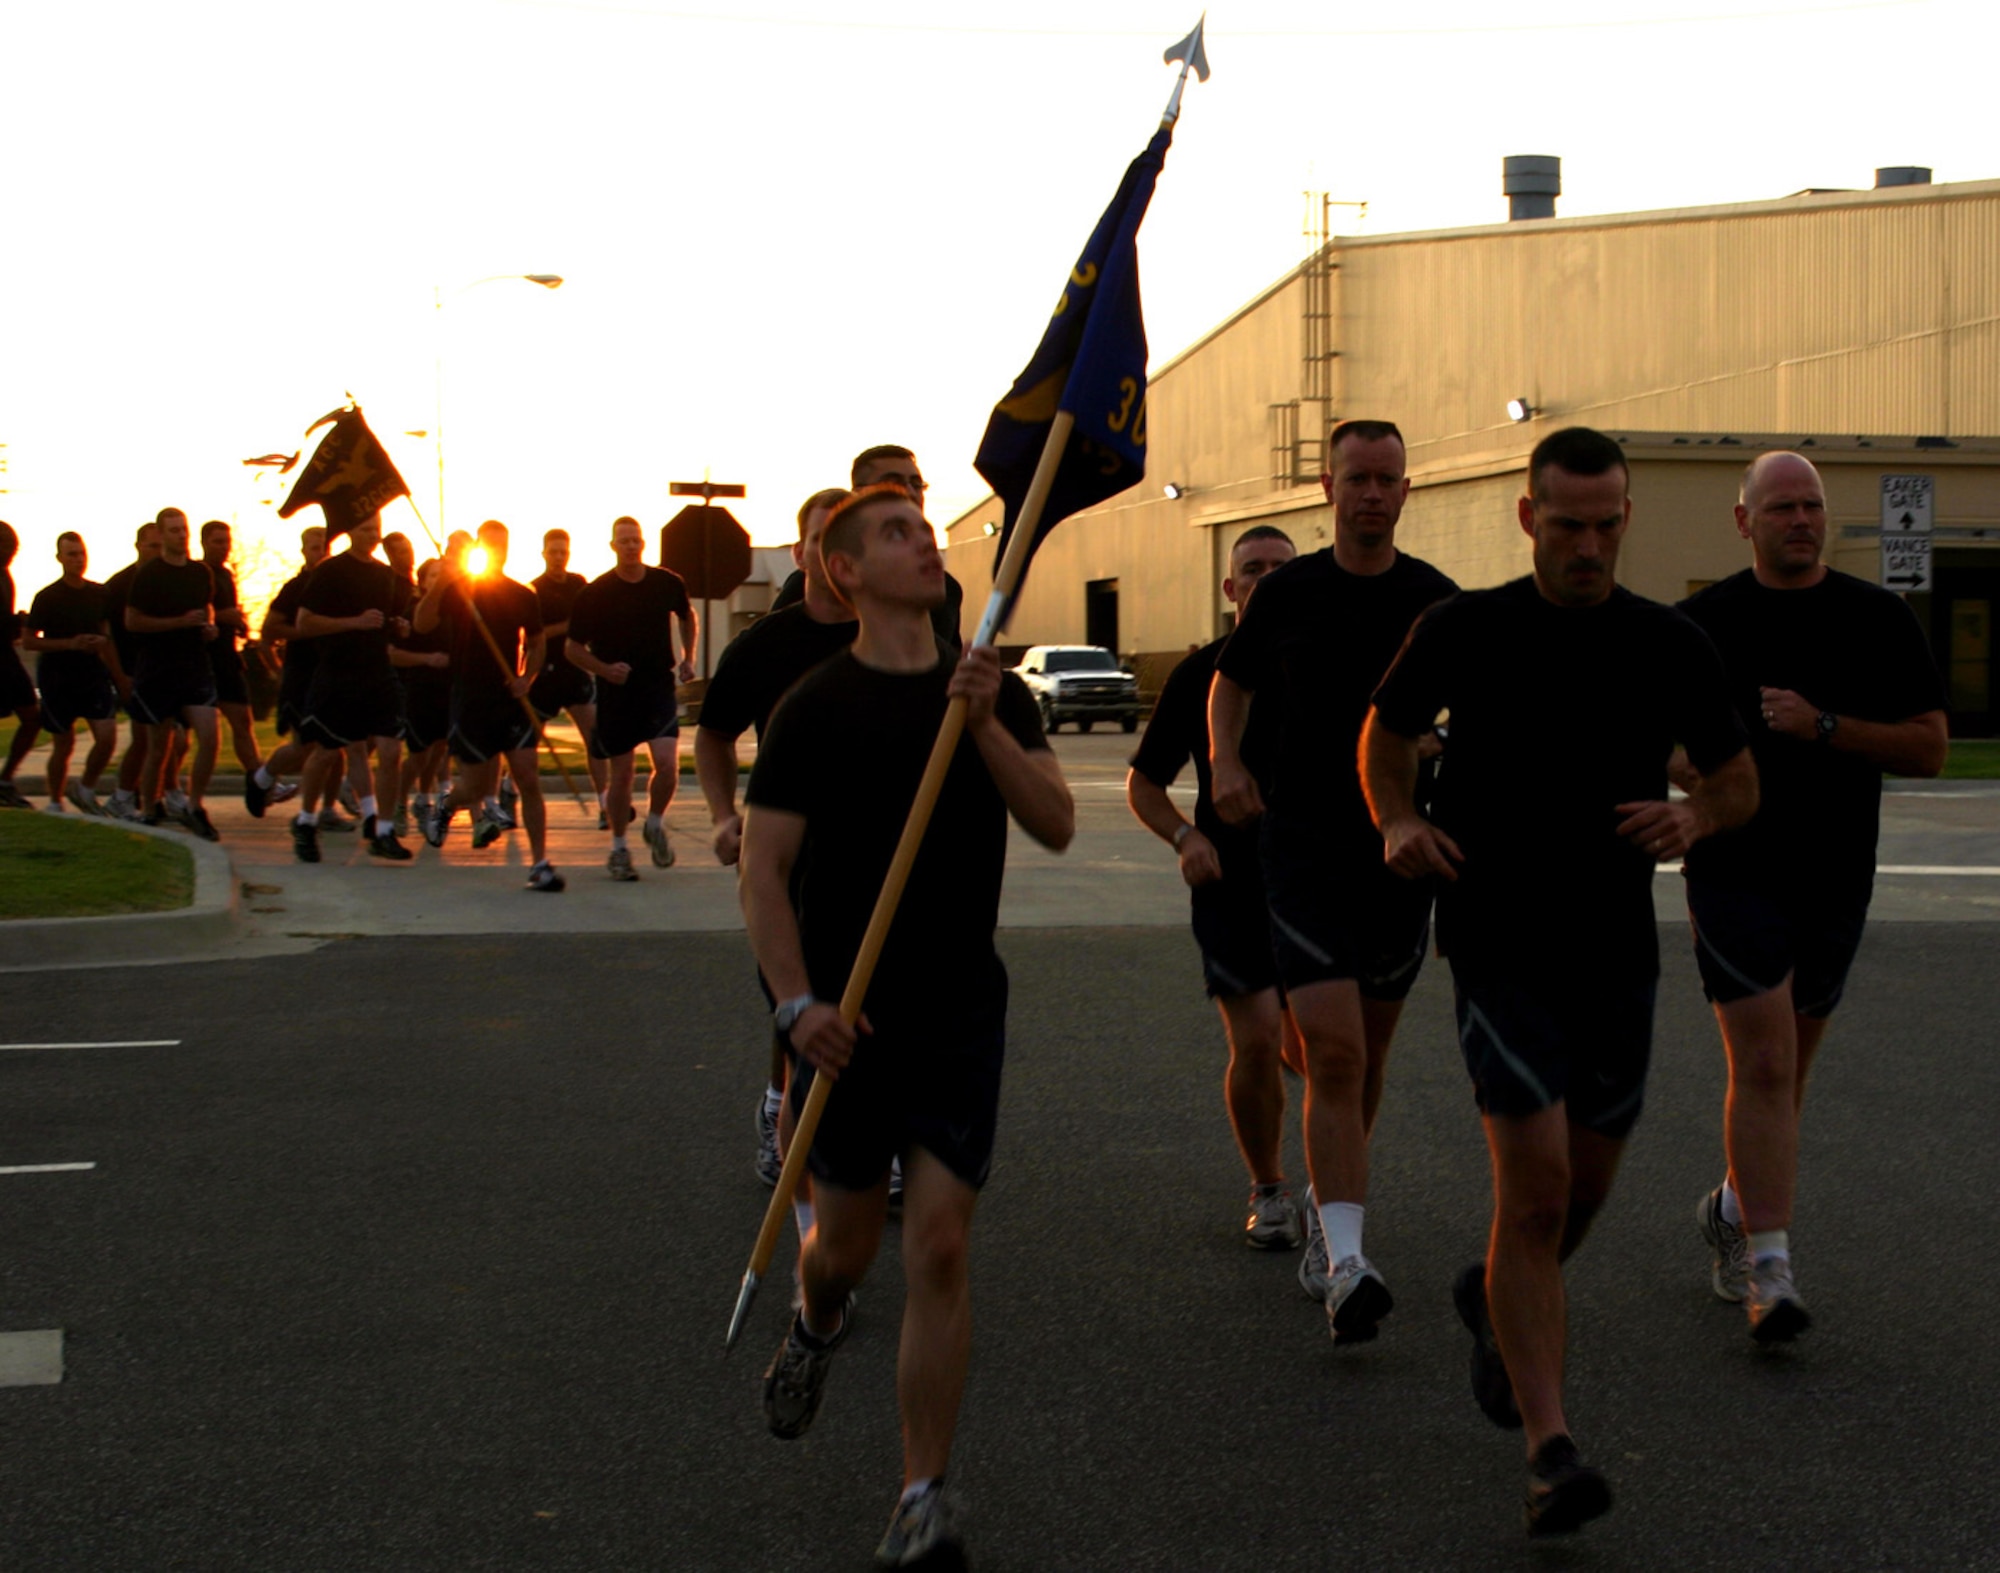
x: 1178, y: 732
x: 556, y: 596
x: 164, y: 589
x: 301, y: 655
x: 62, y: 611
x: 346, y: 585
x: 762, y: 662
x: 222, y: 648
x: 1312, y: 644
x: 628, y: 620
x: 1558, y: 714
x: 436, y: 642
x: 116, y: 591
x: 511, y: 615
x: 1844, y: 645
x: 846, y: 749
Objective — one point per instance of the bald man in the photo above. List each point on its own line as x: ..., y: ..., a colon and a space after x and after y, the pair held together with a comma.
x: 1834, y: 679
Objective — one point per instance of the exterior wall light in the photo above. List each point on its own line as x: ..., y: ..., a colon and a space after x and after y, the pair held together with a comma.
x: 1175, y: 489
x: 1520, y: 410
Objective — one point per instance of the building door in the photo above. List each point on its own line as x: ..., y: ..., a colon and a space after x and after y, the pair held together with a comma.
x: 1962, y: 607
x: 1100, y: 613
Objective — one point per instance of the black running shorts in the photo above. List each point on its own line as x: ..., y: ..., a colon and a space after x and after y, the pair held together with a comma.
x: 561, y: 689
x: 940, y: 1092
x: 1748, y: 942
x: 1581, y: 1041
x: 66, y: 701
x: 232, y: 686
x: 337, y: 714
x: 160, y: 694
x: 485, y: 726
x: 17, y: 689
x: 628, y: 721
x: 1338, y: 912
x: 1233, y: 928
x: 426, y: 714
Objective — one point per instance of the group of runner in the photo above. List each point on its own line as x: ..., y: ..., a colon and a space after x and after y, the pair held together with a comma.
x: 406, y: 690
x: 1369, y: 741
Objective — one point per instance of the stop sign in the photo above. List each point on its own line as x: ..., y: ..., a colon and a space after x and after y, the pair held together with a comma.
x: 707, y: 548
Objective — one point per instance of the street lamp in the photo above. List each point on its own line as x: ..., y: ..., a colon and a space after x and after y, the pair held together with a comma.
x: 546, y: 281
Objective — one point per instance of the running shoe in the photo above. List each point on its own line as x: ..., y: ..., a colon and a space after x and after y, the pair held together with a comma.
x: 795, y: 1382
x: 122, y: 808
x: 769, y: 1164
x: 284, y: 792
x: 485, y: 833
x: 603, y: 820
x: 509, y: 796
x: 83, y: 797
x: 255, y: 798
x: 543, y: 876
x: 401, y: 823
x: 199, y: 822
x: 156, y: 816
x: 1777, y: 1314
x: 1564, y: 1493
x: 1273, y: 1224
x: 619, y: 866
x: 436, y: 826
x: 331, y: 820
x: 10, y: 795
x: 1356, y: 1299
x: 656, y: 838
x: 368, y: 827
x: 349, y: 798
x: 923, y: 1528
x: 305, y: 842
x: 1492, y: 1390
x: 53, y: 806
x: 181, y: 811
x: 500, y: 814
x: 1729, y: 1271
x: 389, y: 847
x: 1314, y: 1268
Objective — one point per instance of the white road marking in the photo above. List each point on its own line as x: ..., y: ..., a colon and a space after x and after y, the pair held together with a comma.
x: 31, y: 1359
x: 1914, y: 870
x: 127, y: 1043
x: 44, y: 1168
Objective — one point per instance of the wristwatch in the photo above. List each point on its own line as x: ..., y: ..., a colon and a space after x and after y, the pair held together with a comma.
x: 1824, y: 726
x: 788, y: 1013
x: 1181, y: 833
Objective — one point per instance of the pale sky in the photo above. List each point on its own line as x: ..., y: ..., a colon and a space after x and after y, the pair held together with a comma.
x: 789, y: 229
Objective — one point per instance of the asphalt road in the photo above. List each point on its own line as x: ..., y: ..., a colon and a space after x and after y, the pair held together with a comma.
x: 417, y: 1254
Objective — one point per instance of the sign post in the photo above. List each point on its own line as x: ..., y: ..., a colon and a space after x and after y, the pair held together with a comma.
x: 1908, y: 512
x: 708, y: 548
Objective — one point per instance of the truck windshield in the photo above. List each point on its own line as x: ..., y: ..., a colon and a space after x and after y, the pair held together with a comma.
x: 1080, y: 661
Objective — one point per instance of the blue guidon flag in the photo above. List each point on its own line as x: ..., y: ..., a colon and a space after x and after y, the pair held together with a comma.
x: 1091, y: 363
x: 350, y: 474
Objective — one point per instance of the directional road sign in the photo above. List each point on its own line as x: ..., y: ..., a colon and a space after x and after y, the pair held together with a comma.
x: 1908, y: 512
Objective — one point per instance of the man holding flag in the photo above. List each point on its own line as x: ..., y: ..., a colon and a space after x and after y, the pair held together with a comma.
x: 919, y: 1071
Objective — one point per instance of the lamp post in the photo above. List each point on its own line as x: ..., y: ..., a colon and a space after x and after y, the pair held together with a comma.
x: 438, y: 297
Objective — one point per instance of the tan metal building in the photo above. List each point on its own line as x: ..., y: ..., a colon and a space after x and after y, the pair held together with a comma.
x: 1860, y: 326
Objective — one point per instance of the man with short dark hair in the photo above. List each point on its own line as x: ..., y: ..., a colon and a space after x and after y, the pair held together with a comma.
x: 1225, y: 880
x: 225, y: 660
x: 354, y: 606
x: 888, y: 464
x: 75, y: 667
x: 171, y: 610
x: 1567, y: 696
x: 124, y: 802
x: 1834, y: 679
x: 298, y: 659
x: 488, y: 722
x: 760, y: 664
x: 1349, y: 937
x: 920, y: 1070
x: 561, y: 685
x: 17, y: 689
x: 621, y: 632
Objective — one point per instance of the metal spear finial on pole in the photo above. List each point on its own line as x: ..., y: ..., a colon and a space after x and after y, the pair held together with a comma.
x: 1191, y: 56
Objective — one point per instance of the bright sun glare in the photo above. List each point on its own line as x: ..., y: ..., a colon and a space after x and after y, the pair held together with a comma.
x: 476, y: 561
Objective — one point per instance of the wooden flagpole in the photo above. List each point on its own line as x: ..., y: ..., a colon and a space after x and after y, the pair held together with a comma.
x: 1019, y: 545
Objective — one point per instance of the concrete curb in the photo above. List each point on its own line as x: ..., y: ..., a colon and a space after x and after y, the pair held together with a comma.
x: 207, y: 921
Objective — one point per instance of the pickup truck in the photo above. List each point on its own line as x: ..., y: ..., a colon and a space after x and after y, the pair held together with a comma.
x: 1080, y: 683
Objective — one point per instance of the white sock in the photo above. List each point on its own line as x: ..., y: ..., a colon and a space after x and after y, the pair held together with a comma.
x: 307, y: 816
x: 1341, y: 1223
x: 1771, y: 1245
x: 264, y: 779
x: 1732, y: 1206
x: 618, y: 844
x: 915, y: 1489
x: 652, y: 823
x: 176, y: 798
x: 492, y: 807
x: 802, y: 1215
x: 122, y: 796
x: 368, y: 806
x: 774, y: 1099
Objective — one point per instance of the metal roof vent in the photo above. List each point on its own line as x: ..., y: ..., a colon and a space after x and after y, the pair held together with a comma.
x: 1532, y: 182
x: 1902, y: 175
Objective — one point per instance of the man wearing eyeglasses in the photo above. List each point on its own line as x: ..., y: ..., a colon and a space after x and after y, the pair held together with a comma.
x: 895, y: 466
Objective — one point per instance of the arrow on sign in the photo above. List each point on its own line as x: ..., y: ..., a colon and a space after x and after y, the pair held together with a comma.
x: 1908, y: 519
x: 1911, y: 579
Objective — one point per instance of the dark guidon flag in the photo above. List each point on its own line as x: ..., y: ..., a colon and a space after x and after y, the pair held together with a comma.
x: 350, y: 474
x: 1092, y: 363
